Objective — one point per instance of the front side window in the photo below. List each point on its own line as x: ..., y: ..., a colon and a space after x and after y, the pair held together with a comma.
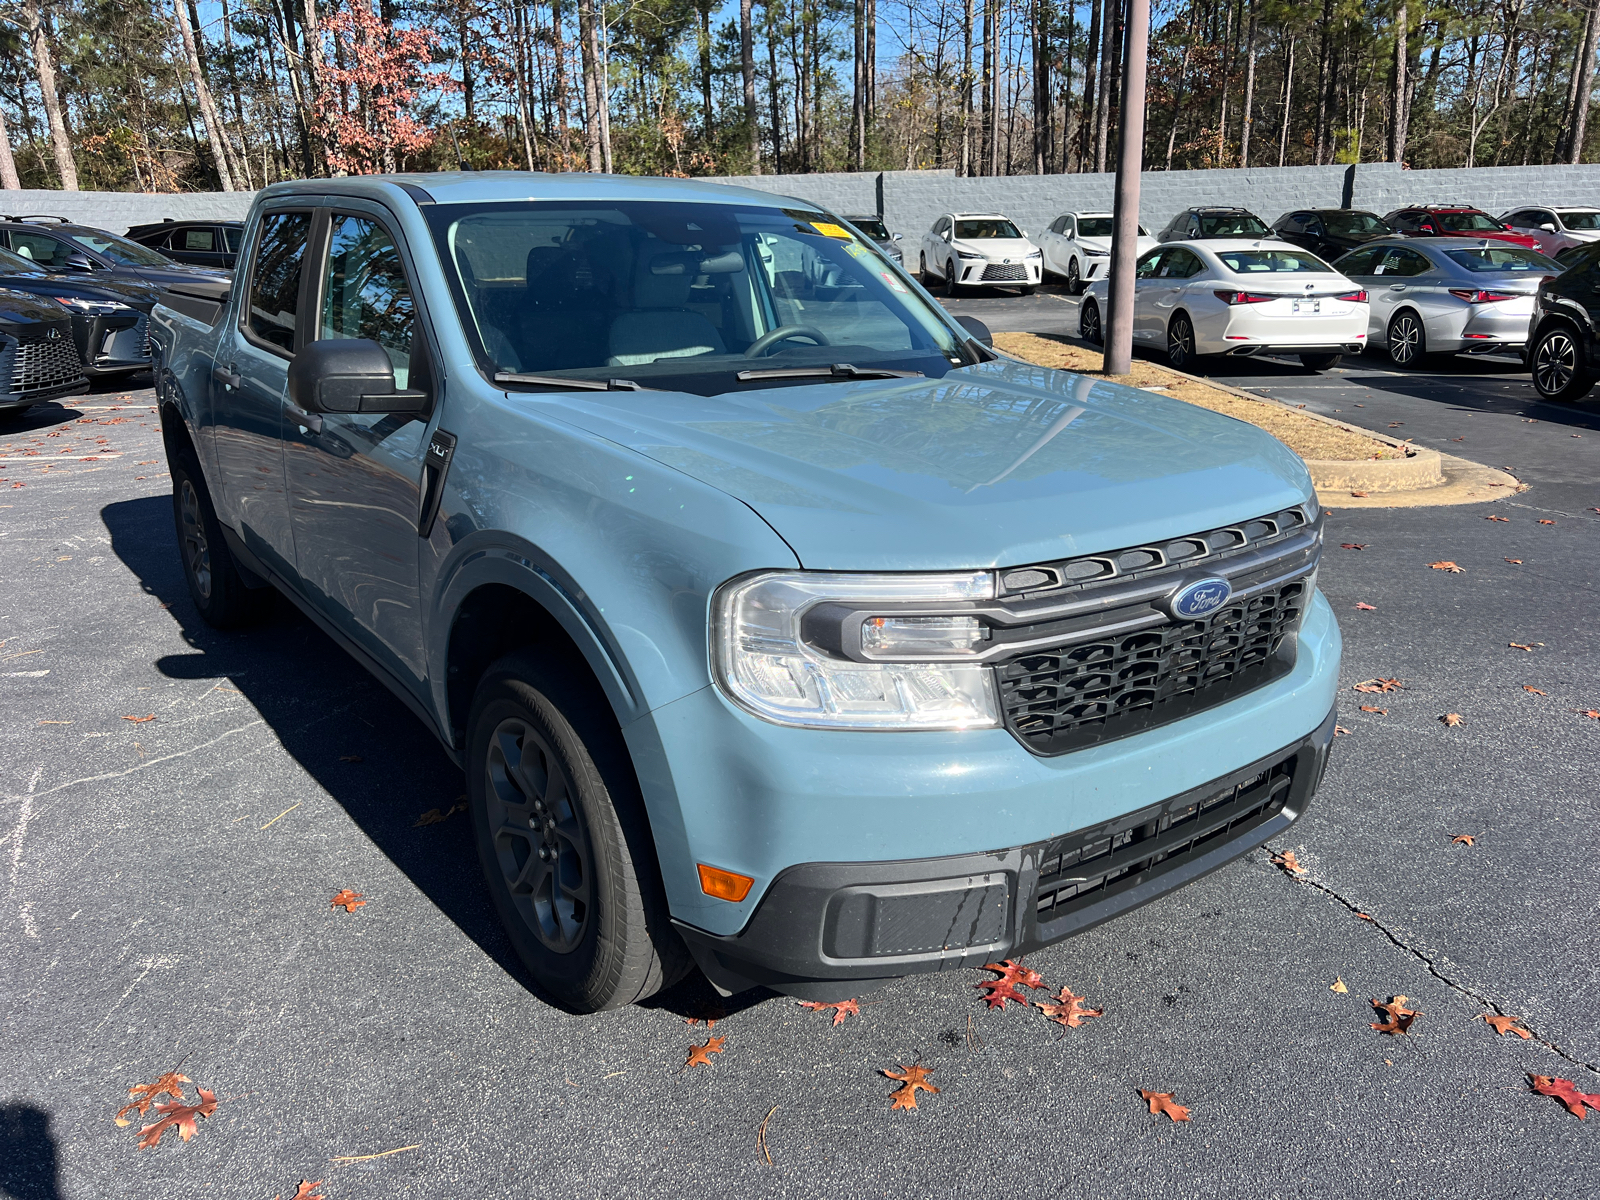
x: 365, y: 293
x: 1149, y: 265
x: 680, y: 295
x: 1580, y: 220
x: 233, y: 235
x: 121, y: 251
x: 986, y: 227
x: 275, y: 283
x: 1399, y: 261
x: 1355, y: 224
x: 1275, y: 262
x: 872, y: 228
x: 1096, y: 227
x: 42, y: 249
x: 1404, y: 220
x: 1502, y: 258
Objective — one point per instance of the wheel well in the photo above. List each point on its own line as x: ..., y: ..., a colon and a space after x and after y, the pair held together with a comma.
x: 174, y: 433
x: 1176, y: 313
x: 1553, y: 319
x: 492, y: 621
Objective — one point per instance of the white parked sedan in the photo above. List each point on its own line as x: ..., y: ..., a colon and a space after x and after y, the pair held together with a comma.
x: 1241, y: 298
x: 1078, y: 246
x: 1555, y: 229
x: 969, y: 249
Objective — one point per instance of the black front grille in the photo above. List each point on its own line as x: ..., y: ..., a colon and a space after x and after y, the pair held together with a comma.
x: 1081, y: 869
x: 41, y: 365
x: 1004, y: 272
x: 1094, y: 691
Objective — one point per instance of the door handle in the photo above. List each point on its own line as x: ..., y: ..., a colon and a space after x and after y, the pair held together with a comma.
x: 226, y: 376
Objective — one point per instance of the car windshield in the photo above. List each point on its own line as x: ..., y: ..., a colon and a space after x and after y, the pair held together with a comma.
x: 1502, y: 258
x: 872, y: 227
x: 120, y: 250
x: 1254, y: 262
x: 15, y: 264
x: 1580, y: 220
x: 1355, y: 224
x: 1232, y: 225
x: 684, y: 296
x: 987, y: 227
x: 1465, y: 222
x: 1102, y: 227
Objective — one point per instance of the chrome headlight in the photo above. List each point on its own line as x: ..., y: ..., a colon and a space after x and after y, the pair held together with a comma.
x: 1089, y: 252
x: 777, y: 653
x: 98, y: 308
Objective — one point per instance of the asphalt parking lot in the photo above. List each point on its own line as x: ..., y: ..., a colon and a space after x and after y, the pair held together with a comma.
x: 177, y: 806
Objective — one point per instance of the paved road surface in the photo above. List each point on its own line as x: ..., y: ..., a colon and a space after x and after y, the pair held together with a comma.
x: 165, y: 902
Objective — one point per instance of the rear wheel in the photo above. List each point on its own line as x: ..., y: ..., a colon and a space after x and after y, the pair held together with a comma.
x: 1074, y: 278
x: 1559, y: 372
x: 1408, y: 344
x: 215, y: 584
x: 563, y: 838
x: 1089, y: 321
x: 1320, y: 362
x: 1180, y: 343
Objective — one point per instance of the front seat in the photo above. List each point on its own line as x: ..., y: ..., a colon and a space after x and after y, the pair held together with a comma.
x: 659, y: 326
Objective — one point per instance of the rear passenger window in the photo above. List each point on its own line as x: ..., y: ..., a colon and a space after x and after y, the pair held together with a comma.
x: 275, y: 282
x: 365, y: 293
x: 198, y: 239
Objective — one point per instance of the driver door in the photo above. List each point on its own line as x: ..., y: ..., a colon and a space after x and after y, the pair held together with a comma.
x: 1146, y: 279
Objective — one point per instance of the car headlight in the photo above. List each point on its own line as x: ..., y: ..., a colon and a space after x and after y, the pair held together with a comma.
x: 1035, y: 254
x: 1090, y: 253
x: 848, y: 651
x: 98, y: 308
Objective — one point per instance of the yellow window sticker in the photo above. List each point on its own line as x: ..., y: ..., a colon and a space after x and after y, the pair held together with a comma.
x: 833, y: 231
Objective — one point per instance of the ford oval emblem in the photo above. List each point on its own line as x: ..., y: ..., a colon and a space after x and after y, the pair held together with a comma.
x: 1199, y: 599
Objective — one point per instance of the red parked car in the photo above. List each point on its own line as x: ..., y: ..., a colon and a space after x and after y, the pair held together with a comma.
x: 1454, y: 220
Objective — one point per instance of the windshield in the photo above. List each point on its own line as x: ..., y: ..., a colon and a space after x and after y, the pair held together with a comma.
x: 1502, y: 258
x: 1232, y: 225
x: 988, y: 227
x: 120, y: 250
x: 1580, y: 220
x: 1102, y: 227
x: 1465, y: 222
x: 1354, y: 224
x: 1252, y: 262
x: 681, y: 295
x: 15, y: 264
x: 871, y: 227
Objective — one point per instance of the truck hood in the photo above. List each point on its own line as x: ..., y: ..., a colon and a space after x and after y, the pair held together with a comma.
x: 994, y: 465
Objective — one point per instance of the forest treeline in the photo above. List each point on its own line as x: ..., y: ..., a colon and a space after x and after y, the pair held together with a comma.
x: 175, y: 95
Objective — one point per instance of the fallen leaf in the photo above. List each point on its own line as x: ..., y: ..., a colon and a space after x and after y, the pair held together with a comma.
x: 1354, y: 545
x: 1289, y: 863
x: 306, y: 1191
x: 1464, y: 839
x: 1339, y: 731
x: 1451, y: 719
x: 1070, y: 1011
x: 433, y: 816
x: 1567, y: 1092
x: 1520, y: 646
x: 1396, y: 424
x: 1361, y: 916
x: 348, y: 900
x: 1365, y: 607
x: 1592, y: 713
x: 1382, y: 712
x: 140, y: 720
x: 1534, y: 690
x: 700, y: 1056
x: 1012, y: 972
x: 350, y: 758
x: 1400, y: 1017
x: 1492, y: 517
x: 1504, y: 1025
x: 1362, y: 494
x: 144, y: 1094
x: 179, y: 1116
x: 1338, y: 985
x: 1161, y: 1102
x: 1542, y: 521
x: 911, y: 1078
x: 1379, y: 685
x: 845, y: 1008
x: 1459, y: 439
x: 1447, y: 565
x: 1516, y: 562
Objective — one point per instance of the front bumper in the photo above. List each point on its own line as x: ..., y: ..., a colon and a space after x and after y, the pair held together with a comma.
x: 829, y: 931
x: 981, y: 272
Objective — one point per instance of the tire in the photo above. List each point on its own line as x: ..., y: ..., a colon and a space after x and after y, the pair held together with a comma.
x: 1408, y: 342
x: 922, y: 269
x: 1320, y: 362
x: 1089, y: 322
x: 1074, y: 278
x: 550, y: 781
x: 1180, y: 343
x: 951, y: 287
x: 217, y: 588
x: 1559, y: 372
x: 1028, y: 289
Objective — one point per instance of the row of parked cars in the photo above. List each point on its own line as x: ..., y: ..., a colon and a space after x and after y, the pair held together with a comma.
x: 75, y: 301
x: 1423, y: 281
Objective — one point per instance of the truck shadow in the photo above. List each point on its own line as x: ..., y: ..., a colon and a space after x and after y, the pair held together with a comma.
x: 29, y: 1164
x: 325, y: 710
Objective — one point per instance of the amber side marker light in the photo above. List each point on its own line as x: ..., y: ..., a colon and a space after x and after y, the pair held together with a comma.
x: 724, y: 885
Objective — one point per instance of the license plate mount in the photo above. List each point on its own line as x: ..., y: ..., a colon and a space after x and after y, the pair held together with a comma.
x: 1305, y: 306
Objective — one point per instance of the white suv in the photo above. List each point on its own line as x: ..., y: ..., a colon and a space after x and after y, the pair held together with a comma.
x: 1078, y: 246
x: 969, y: 249
x: 1555, y: 229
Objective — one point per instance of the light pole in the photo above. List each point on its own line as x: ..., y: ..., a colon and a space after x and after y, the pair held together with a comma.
x: 1130, y: 161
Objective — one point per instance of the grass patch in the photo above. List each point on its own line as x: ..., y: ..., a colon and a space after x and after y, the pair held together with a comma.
x: 1307, y: 437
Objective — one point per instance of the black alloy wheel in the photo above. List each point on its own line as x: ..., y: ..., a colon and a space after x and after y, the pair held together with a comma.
x: 1559, y: 372
x: 1089, y: 322
x: 1180, y: 343
x: 1074, y: 278
x: 1408, y: 345
x: 952, y: 284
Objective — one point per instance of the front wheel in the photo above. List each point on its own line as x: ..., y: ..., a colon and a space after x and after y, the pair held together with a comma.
x: 1074, y: 279
x: 1089, y: 322
x: 1320, y: 362
x: 563, y: 838
x: 952, y: 285
x: 217, y: 588
x: 1180, y: 343
x: 1559, y: 372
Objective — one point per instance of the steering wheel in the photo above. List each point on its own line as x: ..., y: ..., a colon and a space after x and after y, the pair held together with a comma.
x: 782, y: 334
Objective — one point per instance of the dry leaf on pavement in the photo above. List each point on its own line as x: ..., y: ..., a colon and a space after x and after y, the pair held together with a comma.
x: 700, y: 1056
x: 1534, y: 690
x: 911, y: 1078
x: 1338, y: 985
x: 1354, y: 545
x: 144, y: 1094
x: 1542, y: 521
x: 1451, y: 719
x: 1382, y: 712
x: 347, y: 900
x: 1378, y: 685
x: 1400, y: 1017
x: 1012, y: 972
x: 1067, y: 1010
x: 841, y: 1010
x: 1567, y: 1092
x: 1592, y: 713
x: 1289, y: 863
x: 176, y: 1115
x: 1504, y: 1025
x: 1365, y: 607
x: 140, y: 720
x: 1492, y: 517
x: 1520, y: 646
x: 306, y: 1191
x: 1464, y: 839
x: 1161, y: 1102
x: 1446, y: 565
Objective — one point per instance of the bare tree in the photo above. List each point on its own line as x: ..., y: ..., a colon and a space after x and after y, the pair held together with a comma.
x: 208, y: 109
x: 1249, y: 90
x: 1580, y: 107
x: 8, y: 165
x: 44, y: 64
x: 747, y: 70
x: 1399, y: 95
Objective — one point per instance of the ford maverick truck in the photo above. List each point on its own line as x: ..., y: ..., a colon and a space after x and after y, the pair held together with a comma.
x: 781, y: 627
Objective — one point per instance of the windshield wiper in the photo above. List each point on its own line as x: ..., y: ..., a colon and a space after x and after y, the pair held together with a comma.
x: 578, y: 385
x: 836, y: 371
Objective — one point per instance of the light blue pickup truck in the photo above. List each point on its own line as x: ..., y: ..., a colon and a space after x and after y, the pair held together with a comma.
x: 781, y: 626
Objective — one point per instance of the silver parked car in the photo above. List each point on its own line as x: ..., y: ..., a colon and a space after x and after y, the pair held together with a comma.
x: 1447, y: 295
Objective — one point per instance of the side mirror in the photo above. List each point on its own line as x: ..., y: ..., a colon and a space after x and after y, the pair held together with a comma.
x: 899, y: 237
x: 945, y: 235
x: 1427, y: 229
x: 78, y: 262
x: 348, y: 375
x: 978, y: 330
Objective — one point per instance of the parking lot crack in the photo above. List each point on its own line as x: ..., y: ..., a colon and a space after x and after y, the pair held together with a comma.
x: 1433, y: 967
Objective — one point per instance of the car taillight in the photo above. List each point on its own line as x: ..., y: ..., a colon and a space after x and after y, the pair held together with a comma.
x: 1476, y: 297
x: 1242, y: 297
x: 1359, y: 296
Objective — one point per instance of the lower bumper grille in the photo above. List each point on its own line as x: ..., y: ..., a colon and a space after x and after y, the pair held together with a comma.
x: 1091, y: 692
x: 39, y: 366
x: 1004, y: 272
